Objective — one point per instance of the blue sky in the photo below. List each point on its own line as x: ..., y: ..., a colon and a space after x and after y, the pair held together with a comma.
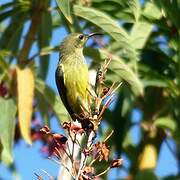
x: 29, y: 159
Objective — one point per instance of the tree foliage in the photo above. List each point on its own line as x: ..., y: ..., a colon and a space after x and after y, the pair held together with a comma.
x: 143, y: 40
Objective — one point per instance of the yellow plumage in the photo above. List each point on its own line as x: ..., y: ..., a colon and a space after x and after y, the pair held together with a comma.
x: 72, y: 75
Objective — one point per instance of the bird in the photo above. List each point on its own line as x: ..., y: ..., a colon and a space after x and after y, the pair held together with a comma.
x: 72, y: 74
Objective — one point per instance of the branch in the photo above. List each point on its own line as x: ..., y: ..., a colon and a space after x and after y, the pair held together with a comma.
x: 83, y: 155
x: 30, y: 36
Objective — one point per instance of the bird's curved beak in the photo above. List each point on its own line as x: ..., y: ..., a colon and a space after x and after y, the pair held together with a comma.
x: 94, y: 34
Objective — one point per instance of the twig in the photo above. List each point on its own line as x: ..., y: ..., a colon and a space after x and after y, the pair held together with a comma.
x: 38, y: 177
x: 112, y: 90
x: 73, y: 146
x: 94, y: 160
x: 59, y: 155
x: 105, y: 107
x: 62, y: 164
x: 50, y: 177
x: 56, y: 161
x: 77, y: 142
x: 111, y: 133
x: 35, y: 21
x: 70, y: 153
x: 83, y: 156
x: 33, y: 56
x: 115, y: 89
x: 102, y: 173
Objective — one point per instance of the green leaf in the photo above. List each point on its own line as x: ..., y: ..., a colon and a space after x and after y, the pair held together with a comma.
x: 171, y: 8
x: 64, y: 6
x: 135, y: 8
x: 44, y: 37
x: 146, y: 174
x: 166, y: 123
x: 3, y: 64
x: 7, y: 129
x: 128, y: 141
x: 11, y: 37
x: 153, y: 78
x: 151, y: 11
x: 120, y: 71
x: 7, y: 5
x: 141, y: 30
x: 7, y: 14
x: 124, y: 72
x: 48, y: 50
x: 109, y: 25
x: 140, y: 33
x: 119, y: 9
x: 44, y: 110
x: 18, y: 7
x: 52, y: 100
x: 155, y: 82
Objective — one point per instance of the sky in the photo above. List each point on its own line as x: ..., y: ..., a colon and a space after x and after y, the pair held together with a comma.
x: 29, y: 159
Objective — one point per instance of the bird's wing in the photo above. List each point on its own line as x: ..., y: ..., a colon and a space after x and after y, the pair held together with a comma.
x: 62, y: 88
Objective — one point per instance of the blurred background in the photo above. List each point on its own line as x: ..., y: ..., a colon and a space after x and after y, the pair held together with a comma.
x: 143, y: 40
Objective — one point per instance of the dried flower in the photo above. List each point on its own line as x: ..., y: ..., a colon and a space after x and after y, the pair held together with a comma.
x: 116, y: 163
x: 59, y: 138
x: 76, y: 128
x: 56, y: 143
x: 53, y: 141
x: 45, y: 130
x: 87, y: 173
x: 66, y: 125
x: 73, y: 127
x: 101, y: 150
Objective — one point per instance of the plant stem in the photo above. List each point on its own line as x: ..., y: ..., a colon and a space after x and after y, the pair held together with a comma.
x: 84, y: 156
x: 30, y: 36
x: 102, y: 173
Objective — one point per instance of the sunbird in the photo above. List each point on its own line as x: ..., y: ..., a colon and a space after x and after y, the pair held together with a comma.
x: 72, y: 74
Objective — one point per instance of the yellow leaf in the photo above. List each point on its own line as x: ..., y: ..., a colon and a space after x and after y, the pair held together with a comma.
x: 148, y: 159
x: 25, y: 90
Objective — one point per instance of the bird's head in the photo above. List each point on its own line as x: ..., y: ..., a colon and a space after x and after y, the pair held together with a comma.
x: 75, y: 41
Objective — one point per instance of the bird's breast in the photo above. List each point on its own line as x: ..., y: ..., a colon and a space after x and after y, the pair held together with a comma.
x: 76, y: 82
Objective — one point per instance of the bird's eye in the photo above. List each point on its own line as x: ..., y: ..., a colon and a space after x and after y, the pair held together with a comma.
x: 81, y: 36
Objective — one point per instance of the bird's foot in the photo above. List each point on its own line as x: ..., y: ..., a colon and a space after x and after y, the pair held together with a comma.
x: 85, y: 121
